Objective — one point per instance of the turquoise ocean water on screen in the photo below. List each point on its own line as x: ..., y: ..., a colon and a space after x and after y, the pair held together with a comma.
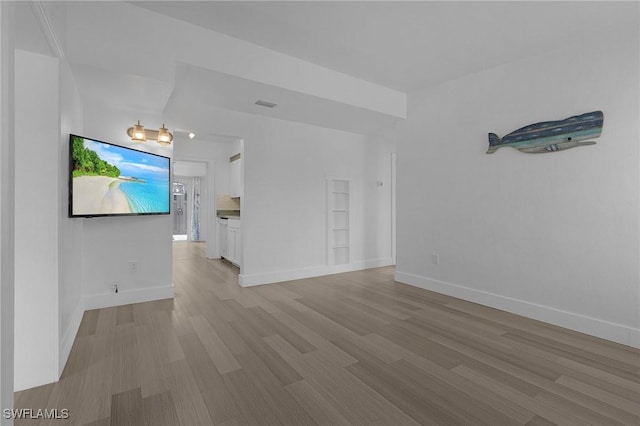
x: 147, y: 188
x: 152, y: 196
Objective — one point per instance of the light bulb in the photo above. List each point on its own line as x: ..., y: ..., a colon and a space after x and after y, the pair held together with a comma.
x: 138, y: 134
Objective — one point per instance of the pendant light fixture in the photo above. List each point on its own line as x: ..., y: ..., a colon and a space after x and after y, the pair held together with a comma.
x: 137, y: 133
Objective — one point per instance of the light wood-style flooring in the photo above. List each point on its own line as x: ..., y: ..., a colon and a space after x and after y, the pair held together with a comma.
x: 354, y: 348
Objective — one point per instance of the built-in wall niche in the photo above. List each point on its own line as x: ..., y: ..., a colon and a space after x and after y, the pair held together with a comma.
x: 338, y: 221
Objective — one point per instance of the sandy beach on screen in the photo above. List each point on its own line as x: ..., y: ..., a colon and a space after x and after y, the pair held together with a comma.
x: 98, y: 195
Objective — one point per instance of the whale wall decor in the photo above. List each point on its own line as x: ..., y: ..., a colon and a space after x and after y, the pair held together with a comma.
x: 552, y: 136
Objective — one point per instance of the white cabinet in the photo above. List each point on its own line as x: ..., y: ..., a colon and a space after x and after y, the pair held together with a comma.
x: 234, y: 242
x: 222, y: 239
x: 235, y: 177
x: 229, y: 240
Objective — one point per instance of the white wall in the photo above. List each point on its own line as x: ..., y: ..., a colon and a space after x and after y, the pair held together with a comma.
x: 7, y: 213
x: 551, y: 236
x: 218, y: 151
x: 284, y: 211
x: 111, y: 244
x: 71, y: 305
x: 37, y: 217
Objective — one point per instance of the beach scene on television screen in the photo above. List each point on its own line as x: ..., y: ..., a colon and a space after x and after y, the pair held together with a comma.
x: 108, y: 179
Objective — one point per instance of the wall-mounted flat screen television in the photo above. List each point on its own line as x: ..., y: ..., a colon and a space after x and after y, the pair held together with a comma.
x: 111, y: 180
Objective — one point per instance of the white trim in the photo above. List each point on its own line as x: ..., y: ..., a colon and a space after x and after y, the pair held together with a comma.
x: 318, y: 271
x: 127, y: 297
x: 40, y: 12
x: 69, y: 336
x: 584, y: 324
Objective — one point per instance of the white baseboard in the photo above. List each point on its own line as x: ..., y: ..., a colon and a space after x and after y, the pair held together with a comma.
x: 127, y: 297
x: 69, y: 336
x: 318, y: 271
x: 618, y: 333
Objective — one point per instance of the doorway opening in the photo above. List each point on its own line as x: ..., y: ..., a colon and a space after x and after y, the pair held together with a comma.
x: 188, y: 199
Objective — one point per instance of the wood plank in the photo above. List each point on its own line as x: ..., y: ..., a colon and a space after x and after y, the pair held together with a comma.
x: 284, y: 406
x: 282, y: 329
x: 340, y: 357
x: 210, y: 384
x: 601, y: 395
x: 126, y: 408
x: 546, y: 411
x: 151, y: 362
x: 215, y: 347
x: 357, y: 402
x: 124, y: 314
x: 249, y: 399
x: 483, y: 395
x: 322, y: 412
x: 279, y: 367
x: 410, y: 338
x: 34, y: 397
x: 610, y: 382
x: 102, y: 422
x: 339, y: 314
x: 434, y: 381
x: 67, y: 393
x: 619, y: 368
x: 106, y: 320
x: 159, y: 410
x: 580, y: 411
x: 168, y: 336
x: 125, y: 362
x: 320, y: 324
x: 96, y: 390
x: 89, y: 323
x: 540, y: 421
x: 190, y: 406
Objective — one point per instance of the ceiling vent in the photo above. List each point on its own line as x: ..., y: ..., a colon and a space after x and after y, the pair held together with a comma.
x: 266, y: 104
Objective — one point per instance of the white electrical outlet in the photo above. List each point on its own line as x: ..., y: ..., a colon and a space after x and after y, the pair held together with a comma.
x: 435, y: 259
x: 133, y: 267
x: 114, y: 287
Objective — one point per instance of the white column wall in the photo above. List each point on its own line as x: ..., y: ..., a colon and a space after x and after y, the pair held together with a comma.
x: 37, y: 213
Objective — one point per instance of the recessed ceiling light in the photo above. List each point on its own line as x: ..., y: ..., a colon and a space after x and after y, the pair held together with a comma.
x: 266, y: 104
x: 192, y: 135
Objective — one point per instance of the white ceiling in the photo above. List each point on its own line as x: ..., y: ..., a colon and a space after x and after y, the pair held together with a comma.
x: 404, y: 46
